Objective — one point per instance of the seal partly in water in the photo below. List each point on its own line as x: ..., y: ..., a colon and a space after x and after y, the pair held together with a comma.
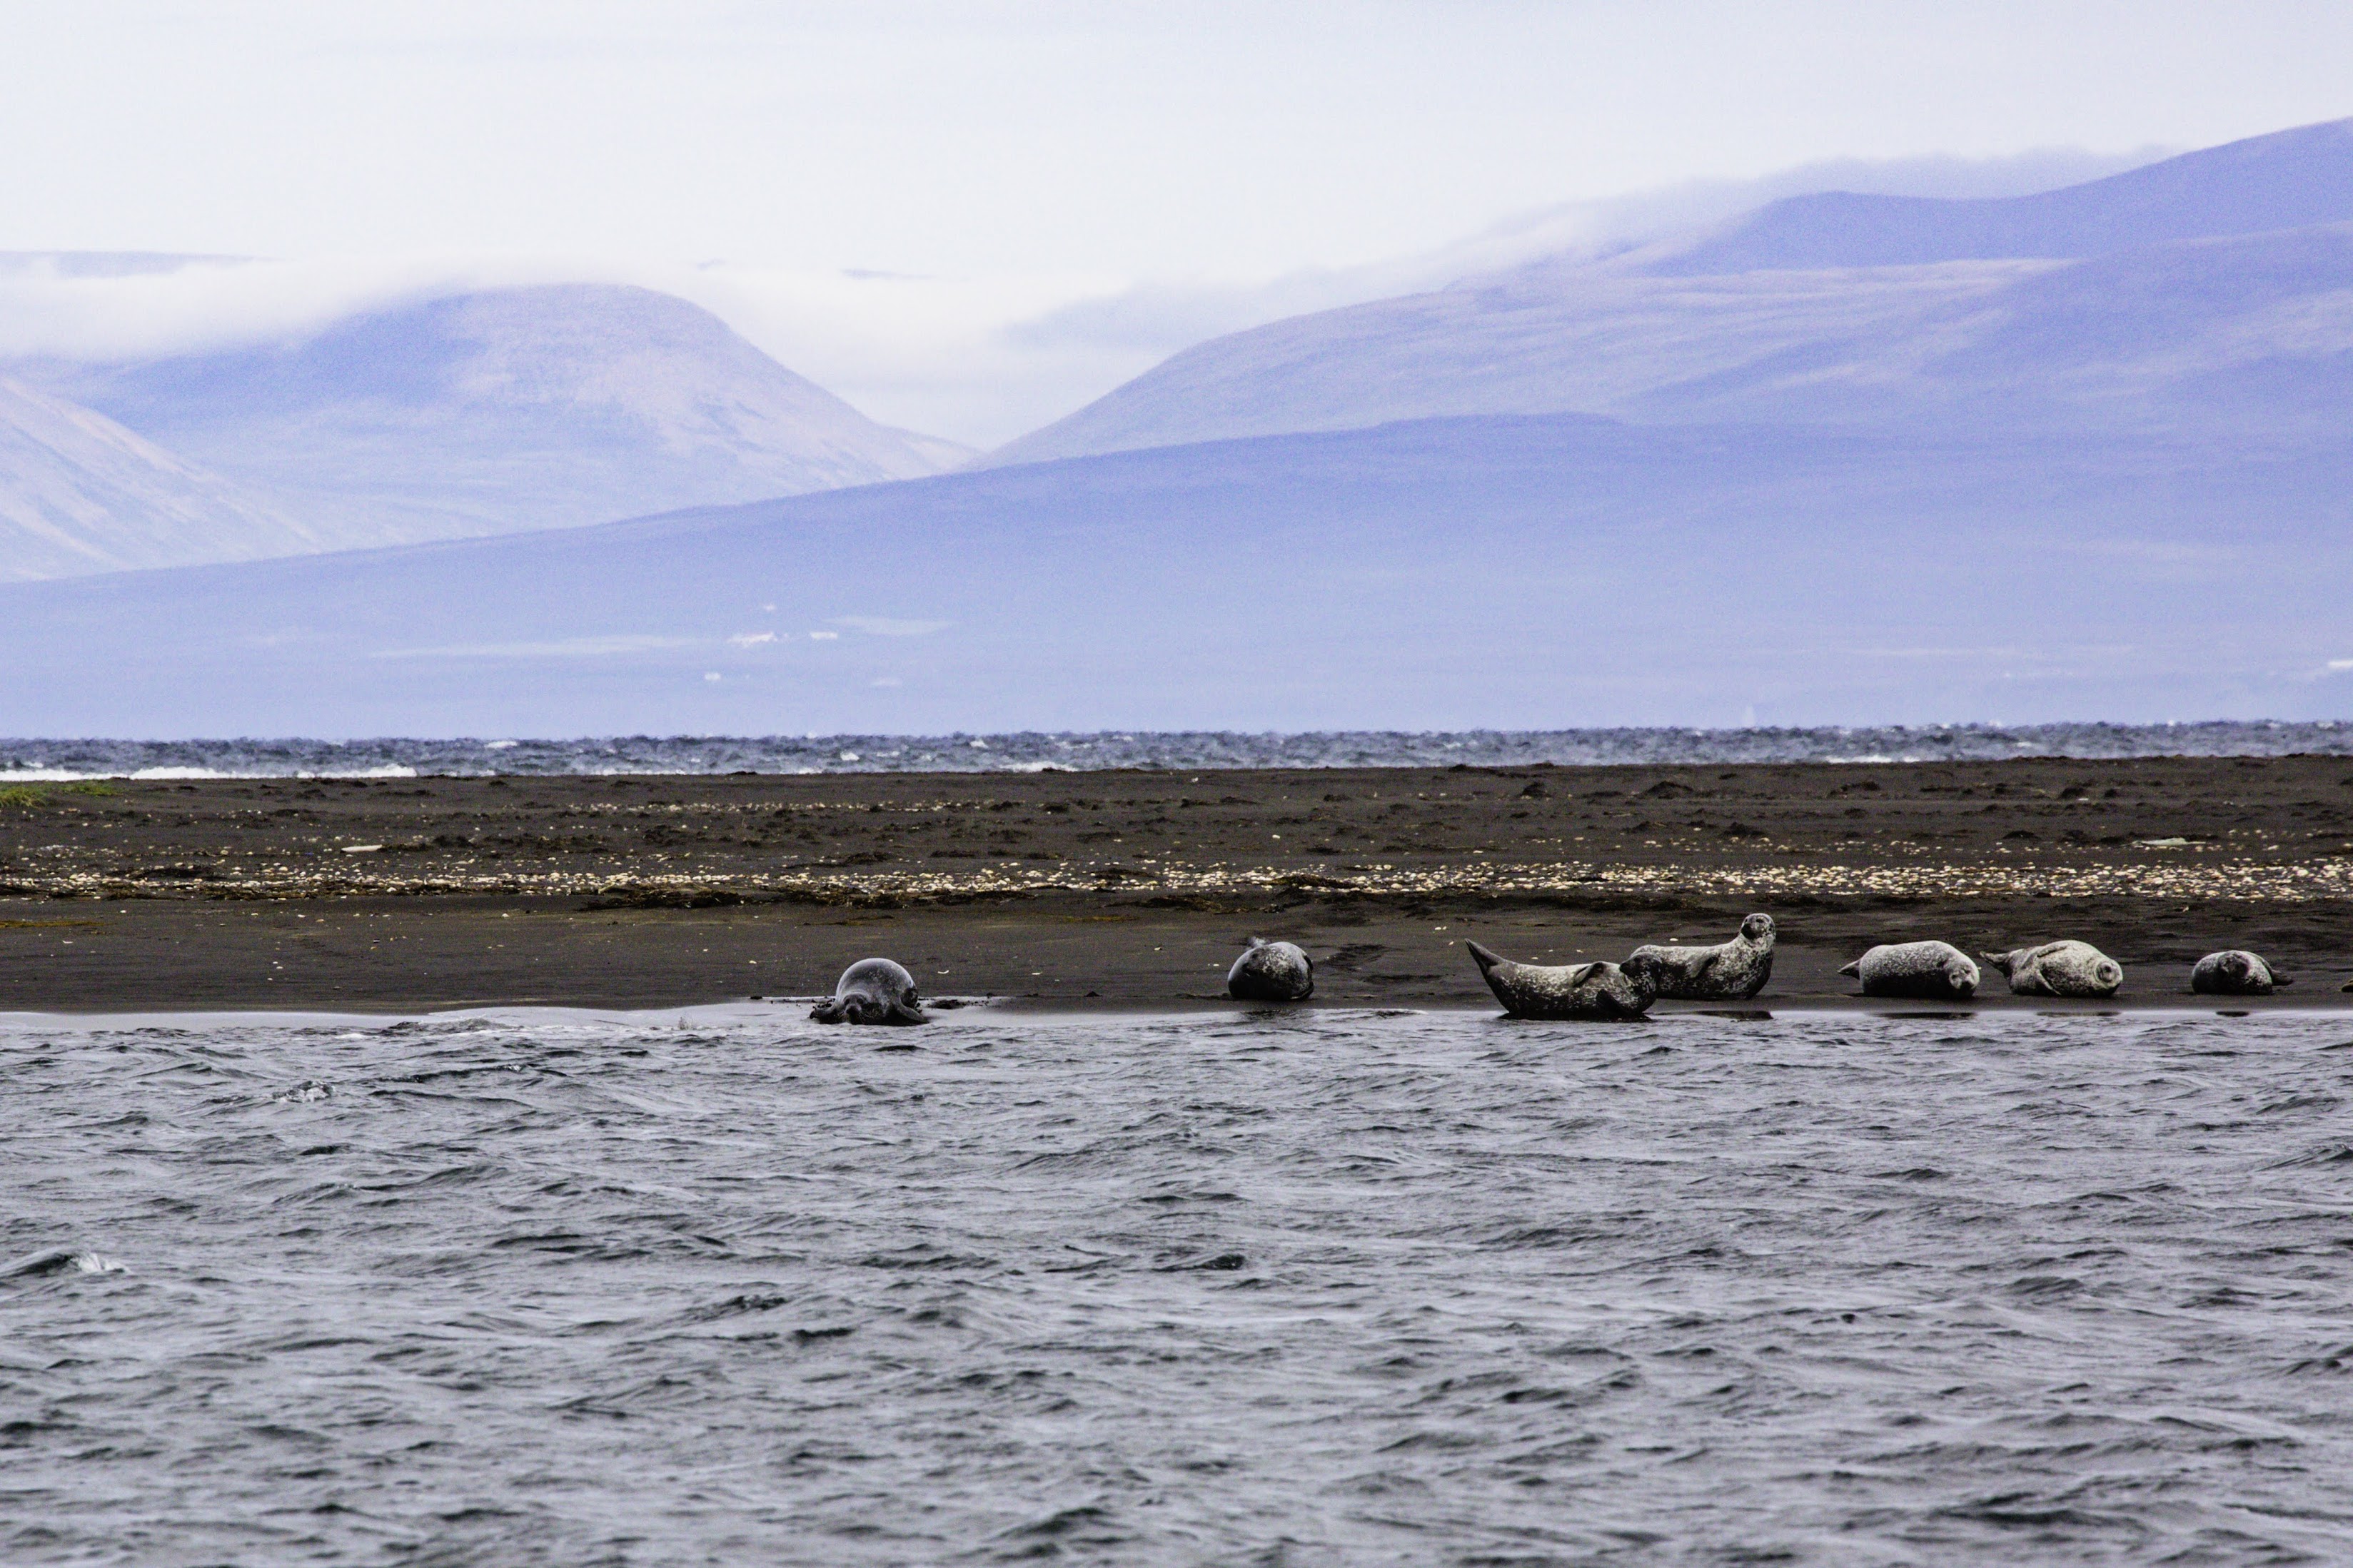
x: 1271, y: 971
x: 2059, y: 969
x: 2235, y: 972
x: 872, y: 991
x: 1729, y: 971
x: 1570, y: 990
x: 1936, y: 971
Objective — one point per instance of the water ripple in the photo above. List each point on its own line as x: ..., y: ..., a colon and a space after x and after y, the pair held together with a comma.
x: 1338, y: 1287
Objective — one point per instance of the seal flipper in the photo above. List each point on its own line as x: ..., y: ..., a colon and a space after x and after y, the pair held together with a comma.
x: 832, y: 1010
x: 908, y: 1011
x: 1854, y: 969
x: 1485, y: 958
x: 1995, y: 960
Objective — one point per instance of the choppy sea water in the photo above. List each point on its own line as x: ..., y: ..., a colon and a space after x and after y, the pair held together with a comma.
x: 58, y: 759
x: 1320, y: 1288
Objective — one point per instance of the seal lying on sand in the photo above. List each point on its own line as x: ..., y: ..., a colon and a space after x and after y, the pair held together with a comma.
x: 1271, y: 971
x: 2235, y: 972
x: 872, y: 991
x: 1934, y: 970
x: 2059, y: 969
x: 1729, y: 971
x: 1570, y: 990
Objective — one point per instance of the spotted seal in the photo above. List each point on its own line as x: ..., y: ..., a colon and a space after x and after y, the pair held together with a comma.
x: 2059, y: 969
x: 2234, y: 972
x: 872, y: 991
x: 1570, y: 990
x: 1271, y: 971
x: 1729, y: 971
x: 1936, y: 971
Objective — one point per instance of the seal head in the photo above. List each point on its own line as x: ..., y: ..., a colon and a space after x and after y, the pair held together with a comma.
x: 2059, y: 969
x: 872, y: 991
x: 1729, y: 971
x: 2235, y: 972
x: 1570, y: 990
x: 1271, y: 971
x: 1929, y: 971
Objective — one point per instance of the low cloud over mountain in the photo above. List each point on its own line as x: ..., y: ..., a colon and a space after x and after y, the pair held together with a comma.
x: 483, y: 413
x: 2204, y: 294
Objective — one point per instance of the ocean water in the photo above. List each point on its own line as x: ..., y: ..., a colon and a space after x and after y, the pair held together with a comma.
x: 63, y: 759
x: 1315, y: 1287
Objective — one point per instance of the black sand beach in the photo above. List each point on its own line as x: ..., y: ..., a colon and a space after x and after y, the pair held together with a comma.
x: 1134, y: 888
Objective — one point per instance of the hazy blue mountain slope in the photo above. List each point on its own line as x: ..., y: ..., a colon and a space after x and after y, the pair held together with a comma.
x: 1467, y: 572
x: 2201, y: 338
x: 2166, y: 318
x: 80, y: 493
x: 506, y: 409
x: 2289, y: 179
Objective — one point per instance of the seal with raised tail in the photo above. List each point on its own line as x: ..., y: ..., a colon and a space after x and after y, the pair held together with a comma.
x: 1929, y: 971
x: 872, y: 991
x: 1569, y: 990
x: 2059, y: 969
x: 1729, y: 971
x: 1271, y: 971
x: 2235, y: 972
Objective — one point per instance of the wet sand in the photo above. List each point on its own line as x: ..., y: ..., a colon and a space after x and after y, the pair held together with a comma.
x: 1136, y: 889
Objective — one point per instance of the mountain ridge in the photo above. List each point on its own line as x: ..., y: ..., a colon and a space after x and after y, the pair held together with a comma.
x: 2100, y: 342
x: 80, y: 493
x: 494, y: 411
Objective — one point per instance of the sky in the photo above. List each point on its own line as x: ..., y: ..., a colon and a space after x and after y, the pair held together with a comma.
x: 969, y: 217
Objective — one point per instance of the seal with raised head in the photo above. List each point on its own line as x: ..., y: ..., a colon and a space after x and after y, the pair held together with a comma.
x: 872, y: 991
x: 2235, y: 972
x: 2059, y: 969
x: 1569, y: 990
x: 1271, y: 971
x: 1729, y: 971
x: 1931, y: 970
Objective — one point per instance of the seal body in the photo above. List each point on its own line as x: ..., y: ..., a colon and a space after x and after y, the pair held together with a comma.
x: 1729, y: 971
x: 1271, y: 971
x: 2235, y: 972
x: 1569, y: 990
x: 2059, y: 969
x: 872, y: 991
x: 1932, y: 971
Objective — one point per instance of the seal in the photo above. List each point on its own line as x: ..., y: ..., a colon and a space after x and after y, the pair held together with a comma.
x: 872, y: 991
x: 1936, y: 971
x: 1570, y: 990
x: 1729, y: 971
x: 2059, y: 969
x: 1271, y: 971
x: 2235, y: 972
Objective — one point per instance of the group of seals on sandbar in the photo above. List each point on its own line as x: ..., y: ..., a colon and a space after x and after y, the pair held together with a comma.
x: 876, y: 991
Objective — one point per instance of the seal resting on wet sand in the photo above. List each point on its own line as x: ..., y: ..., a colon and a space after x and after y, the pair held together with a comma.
x: 1729, y: 971
x: 872, y: 991
x: 2059, y: 969
x: 1936, y: 971
x: 1271, y: 971
x: 2235, y: 972
x: 1569, y: 990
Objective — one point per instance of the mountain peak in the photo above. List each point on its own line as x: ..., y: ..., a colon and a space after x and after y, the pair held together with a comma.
x: 502, y: 409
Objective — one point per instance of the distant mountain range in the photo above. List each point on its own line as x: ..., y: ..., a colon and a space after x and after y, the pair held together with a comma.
x: 484, y: 413
x: 2210, y: 296
x: 2110, y: 476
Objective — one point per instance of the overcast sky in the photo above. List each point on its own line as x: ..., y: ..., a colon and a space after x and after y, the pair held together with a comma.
x: 1001, y: 161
